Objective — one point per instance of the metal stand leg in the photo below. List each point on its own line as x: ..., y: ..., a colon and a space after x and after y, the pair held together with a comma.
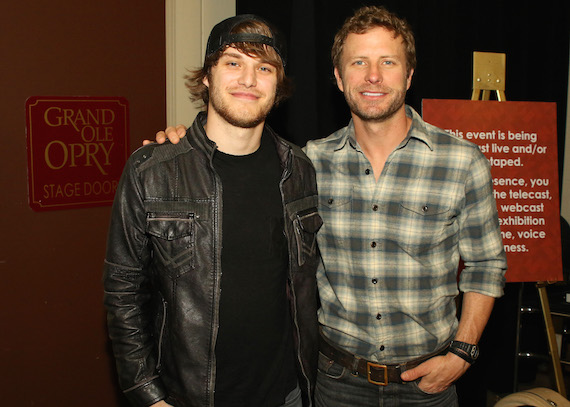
x: 517, y: 340
x: 551, y: 336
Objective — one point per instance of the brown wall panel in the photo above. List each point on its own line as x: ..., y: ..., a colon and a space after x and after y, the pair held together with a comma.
x: 53, y: 343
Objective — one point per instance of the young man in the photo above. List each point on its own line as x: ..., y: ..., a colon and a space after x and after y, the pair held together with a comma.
x: 402, y: 202
x: 210, y: 269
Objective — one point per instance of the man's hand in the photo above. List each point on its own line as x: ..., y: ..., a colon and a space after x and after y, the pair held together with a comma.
x: 440, y: 372
x: 174, y: 134
x: 437, y: 373
x: 161, y: 403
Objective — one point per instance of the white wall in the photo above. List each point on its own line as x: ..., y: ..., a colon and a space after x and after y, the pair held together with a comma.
x: 188, y: 24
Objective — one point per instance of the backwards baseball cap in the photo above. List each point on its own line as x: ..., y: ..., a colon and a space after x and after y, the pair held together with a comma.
x: 221, y: 36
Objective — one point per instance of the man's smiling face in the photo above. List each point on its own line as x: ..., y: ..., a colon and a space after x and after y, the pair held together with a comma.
x: 241, y: 88
x: 372, y: 74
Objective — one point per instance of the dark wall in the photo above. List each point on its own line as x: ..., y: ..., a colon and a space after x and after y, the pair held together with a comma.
x: 534, y: 35
x: 53, y: 342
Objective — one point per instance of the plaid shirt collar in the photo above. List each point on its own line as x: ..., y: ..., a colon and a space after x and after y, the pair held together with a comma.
x: 418, y: 130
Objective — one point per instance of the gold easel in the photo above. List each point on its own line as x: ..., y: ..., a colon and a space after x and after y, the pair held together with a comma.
x: 489, y: 75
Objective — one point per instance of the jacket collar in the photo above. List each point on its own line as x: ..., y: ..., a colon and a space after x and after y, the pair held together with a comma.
x: 196, y: 136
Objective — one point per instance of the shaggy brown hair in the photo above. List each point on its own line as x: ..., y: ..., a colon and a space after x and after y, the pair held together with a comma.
x: 195, y: 78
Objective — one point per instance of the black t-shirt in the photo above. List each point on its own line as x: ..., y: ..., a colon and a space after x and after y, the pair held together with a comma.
x: 254, y: 350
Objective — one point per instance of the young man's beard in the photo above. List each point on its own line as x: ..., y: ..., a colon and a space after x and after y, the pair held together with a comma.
x: 235, y: 116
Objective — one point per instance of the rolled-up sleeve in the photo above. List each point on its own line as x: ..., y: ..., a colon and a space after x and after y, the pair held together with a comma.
x: 480, y: 241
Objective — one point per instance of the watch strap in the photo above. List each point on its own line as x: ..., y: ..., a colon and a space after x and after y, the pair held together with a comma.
x: 465, y: 351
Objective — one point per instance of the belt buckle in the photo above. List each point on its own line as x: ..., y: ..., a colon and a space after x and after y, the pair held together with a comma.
x: 369, y: 366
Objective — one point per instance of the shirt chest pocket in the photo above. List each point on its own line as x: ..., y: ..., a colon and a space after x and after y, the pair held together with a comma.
x: 173, y: 239
x: 425, y: 225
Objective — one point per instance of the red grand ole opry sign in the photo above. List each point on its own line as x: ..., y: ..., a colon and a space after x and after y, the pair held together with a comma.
x: 77, y: 147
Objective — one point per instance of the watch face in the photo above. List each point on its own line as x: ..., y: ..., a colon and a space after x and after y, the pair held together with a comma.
x: 474, y: 352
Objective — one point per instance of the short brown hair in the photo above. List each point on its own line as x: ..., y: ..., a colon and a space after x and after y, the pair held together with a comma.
x: 195, y: 78
x: 367, y: 18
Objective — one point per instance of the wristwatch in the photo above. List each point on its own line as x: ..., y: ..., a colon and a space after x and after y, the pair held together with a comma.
x: 465, y: 351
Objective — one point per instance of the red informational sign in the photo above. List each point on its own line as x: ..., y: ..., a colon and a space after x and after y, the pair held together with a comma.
x: 77, y: 148
x: 520, y: 141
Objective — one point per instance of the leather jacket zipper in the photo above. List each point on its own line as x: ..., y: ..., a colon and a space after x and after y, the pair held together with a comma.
x: 217, y: 278
x: 161, y: 336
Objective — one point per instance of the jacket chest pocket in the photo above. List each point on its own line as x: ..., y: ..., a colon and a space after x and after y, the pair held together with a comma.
x: 173, y: 240
x: 306, y: 224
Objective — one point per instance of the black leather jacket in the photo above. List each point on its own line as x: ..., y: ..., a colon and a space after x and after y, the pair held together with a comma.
x: 162, y: 269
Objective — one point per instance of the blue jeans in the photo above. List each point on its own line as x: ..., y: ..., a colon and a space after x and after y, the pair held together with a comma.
x: 337, y: 387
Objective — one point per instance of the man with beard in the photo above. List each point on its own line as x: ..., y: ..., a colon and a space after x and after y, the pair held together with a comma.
x: 210, y: 271
x: 402, y: 201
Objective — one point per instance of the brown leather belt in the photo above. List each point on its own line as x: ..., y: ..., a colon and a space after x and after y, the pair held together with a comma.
x: 376, y: 373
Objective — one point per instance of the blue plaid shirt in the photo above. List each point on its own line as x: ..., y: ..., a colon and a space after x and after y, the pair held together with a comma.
x: 391, y: 248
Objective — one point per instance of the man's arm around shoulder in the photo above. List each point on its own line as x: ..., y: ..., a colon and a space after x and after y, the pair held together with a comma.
x: 173, y: 134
